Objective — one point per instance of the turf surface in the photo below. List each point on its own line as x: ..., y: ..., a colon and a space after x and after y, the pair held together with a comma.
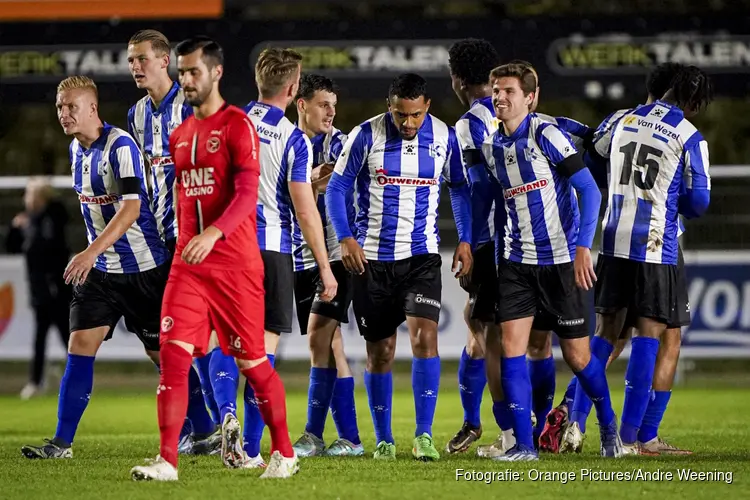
x: 119, y: 430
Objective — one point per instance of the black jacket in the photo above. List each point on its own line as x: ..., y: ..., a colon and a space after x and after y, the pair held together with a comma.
x: 45, y: 246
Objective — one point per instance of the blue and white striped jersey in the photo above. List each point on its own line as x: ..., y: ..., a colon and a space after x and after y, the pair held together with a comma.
x: 151, y: 127
x: 96, y: 173
x: 472, y: 129
x: 542, y: 210
x: 575, y: 129
x: 602, y: 139
x: 398, y: 184
x: 326, y: 149
x: 654, y: 155
x: 285, y: 156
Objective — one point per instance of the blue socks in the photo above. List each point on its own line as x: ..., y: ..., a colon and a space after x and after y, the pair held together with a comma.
x: 75, y: 392
x: 638, y: 379
x: 197, y: 413
x: 570, y: 393
x: 654, y: 413
x: 471, y: 382
x: 425, y: 381
x: 319, y: 395
x: 503, y: 415
x: 343, y: 410
x: 517, y: 388
x: 542, y: 376
x: 224, y: 379
x: 380, y: 395
x: 593, y: 380
x: 253, y: 425
x: 203, y: 365
x: 579, y: 411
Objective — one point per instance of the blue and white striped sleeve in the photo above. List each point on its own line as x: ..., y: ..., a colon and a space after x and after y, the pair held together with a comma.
x: 555, y: 144
x: 348, y: 165
x: 337, y: 145
x: 131, y: 123
x: 459, y: 191
x: 471, y: 133
x: 299, y: 157
x: 127, y: 167
x: 696, y: 179
x: 575, y: 128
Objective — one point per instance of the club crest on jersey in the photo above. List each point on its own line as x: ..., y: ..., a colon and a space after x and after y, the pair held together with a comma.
x: 172, y: 125
x: 530, y: 154
x: 435, y: 150
x: 213, y: 144
x: 101, y: 169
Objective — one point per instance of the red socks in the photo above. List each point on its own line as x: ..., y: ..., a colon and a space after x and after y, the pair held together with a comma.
x: 172, y: 397
x: 269, y: 391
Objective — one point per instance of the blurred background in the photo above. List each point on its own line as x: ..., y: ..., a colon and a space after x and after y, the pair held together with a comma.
x: 592, y: 58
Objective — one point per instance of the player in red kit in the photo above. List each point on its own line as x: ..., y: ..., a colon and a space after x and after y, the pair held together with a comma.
x: 216, y: 280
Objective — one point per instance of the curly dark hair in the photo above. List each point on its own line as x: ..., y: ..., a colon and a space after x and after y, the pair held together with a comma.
x: 408, y: 86
x: 692, y: 89
x: 472, y: 59
x: 660, y: 78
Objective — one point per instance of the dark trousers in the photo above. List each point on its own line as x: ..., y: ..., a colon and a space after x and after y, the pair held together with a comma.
x: 45, y: 317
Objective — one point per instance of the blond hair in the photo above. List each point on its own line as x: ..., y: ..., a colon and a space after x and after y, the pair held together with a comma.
x: 78, y: 82
x: 42, y: 186
x: 274, y: 68
x: 159, y: 41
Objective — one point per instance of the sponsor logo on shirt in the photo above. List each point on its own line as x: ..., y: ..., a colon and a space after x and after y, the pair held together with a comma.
x: 158, y: 161
x: 105, y: 199
x: 525, y: 188
x: 382, y: 178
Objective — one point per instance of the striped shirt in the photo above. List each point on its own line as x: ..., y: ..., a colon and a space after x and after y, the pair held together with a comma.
x: 285, y: 156
x: 326, y: 149
x: 472, y: 129
x: 151, y: 127
x: 398, y: 184
x: 96, y: 174
x: 577, y: 131
x: 654, y: 155
x: 543, y: 218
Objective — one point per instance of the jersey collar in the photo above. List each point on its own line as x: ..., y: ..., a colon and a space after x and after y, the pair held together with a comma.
x: 521, y: 131
x: 167, y: 101
x: 100, y: 141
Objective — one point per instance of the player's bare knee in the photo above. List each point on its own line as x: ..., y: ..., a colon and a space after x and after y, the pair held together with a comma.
x: 609, y: 326
x: 650, y: 328
x: 576, y: 352
x: 540, y: 345
x: 154, y: 356
x: 271, y: 341
x: 423, y: 335
x: 87, y: 342
x: 380, y: 355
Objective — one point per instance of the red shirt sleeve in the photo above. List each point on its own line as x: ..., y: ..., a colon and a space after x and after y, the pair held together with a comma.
x: 244, y: 147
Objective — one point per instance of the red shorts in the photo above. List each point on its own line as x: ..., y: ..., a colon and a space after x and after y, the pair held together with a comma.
x: 228, y: 301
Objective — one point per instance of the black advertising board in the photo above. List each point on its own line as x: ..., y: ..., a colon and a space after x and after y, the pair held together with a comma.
x: 579, y: 58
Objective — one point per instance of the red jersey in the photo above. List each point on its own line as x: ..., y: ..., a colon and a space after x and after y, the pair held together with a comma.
x: 217, y: 173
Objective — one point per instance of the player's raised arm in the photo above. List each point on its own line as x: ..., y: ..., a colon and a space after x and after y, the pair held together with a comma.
x: 561, y: 152
x: 348, y: 165
x: 243, y: 145
x: 460, y: 195
x: 696, y: 181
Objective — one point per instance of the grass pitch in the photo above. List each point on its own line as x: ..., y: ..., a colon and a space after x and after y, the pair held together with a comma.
x: 119, y: 430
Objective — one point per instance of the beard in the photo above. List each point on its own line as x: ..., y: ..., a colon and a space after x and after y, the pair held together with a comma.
x: 197, y: 96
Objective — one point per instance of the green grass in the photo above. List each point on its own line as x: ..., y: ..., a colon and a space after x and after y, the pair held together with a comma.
x: 119, y: 430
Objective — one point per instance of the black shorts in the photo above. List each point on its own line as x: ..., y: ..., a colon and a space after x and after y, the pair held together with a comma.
x: 279, y: 285
x: 483, y: 294
x: 104, y: 298
x: 645, y: 289
x: 307, y: 286
x: 549, y: 293
x: 387, y: 292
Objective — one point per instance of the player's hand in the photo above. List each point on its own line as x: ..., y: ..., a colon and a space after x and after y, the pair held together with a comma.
x: 21, y: 220
x: 463, y: 256
x: 584, y: 269
x: 353, y: 256
x: 79, y: 267
x: 330, y: 286
x: 200, y: 246
x: 321, y: 175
